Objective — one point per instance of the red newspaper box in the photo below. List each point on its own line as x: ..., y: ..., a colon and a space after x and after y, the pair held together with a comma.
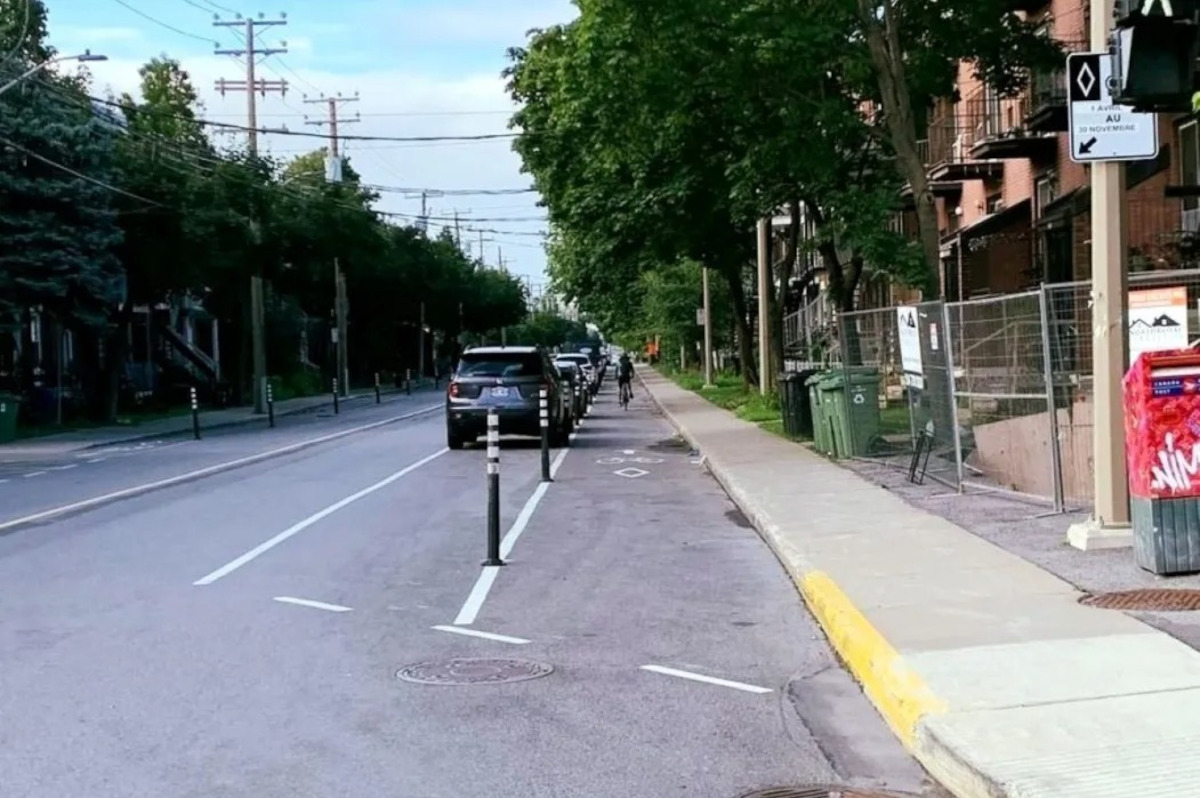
x: 1162, y: 449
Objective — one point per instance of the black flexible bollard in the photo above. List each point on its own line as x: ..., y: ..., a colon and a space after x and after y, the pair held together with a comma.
x: 378, y: 395
x: 270, y: 405
x: 544, y: 420
x: 335, y: 397
x: 195, y: 415
x: 493, y: 488
x: 408, y: 382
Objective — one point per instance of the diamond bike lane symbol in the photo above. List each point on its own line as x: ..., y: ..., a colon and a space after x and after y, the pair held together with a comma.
x: 1085, y: 80
x: 631, y: 473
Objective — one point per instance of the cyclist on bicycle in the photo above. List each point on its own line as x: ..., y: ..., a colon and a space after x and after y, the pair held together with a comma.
x: 625, y: 375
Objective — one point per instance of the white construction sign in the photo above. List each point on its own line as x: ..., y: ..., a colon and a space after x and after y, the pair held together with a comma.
x: 1100, y: 130
x: 1158, y: 320
x: 910, y: 346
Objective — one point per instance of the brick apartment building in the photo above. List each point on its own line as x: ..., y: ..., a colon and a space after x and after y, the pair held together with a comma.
x: 1014, y: 209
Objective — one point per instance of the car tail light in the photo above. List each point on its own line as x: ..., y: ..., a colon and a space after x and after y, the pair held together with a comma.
x: 453, y: 389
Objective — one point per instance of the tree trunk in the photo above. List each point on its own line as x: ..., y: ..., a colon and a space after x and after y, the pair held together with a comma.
x: 887, y: 56
x: 745, y: 336
x: 851, y: 342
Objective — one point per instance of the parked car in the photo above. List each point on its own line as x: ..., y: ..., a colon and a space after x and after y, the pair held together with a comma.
x: 577, y: 382
x: 507, y: 379
x: 585, y: 363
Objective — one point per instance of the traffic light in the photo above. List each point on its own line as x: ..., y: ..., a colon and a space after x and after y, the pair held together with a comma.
x: 1155, y: 45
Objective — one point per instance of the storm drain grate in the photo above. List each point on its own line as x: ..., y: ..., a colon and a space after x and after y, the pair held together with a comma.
x: 818, y: 792
x: 1149, y: 600
x: 456, y: 672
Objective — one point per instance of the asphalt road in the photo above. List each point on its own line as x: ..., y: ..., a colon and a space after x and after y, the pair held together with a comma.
x: 30, y: 485
x: 145, y: 651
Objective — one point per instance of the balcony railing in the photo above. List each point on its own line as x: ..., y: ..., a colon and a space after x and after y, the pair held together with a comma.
x: 1047, y: 109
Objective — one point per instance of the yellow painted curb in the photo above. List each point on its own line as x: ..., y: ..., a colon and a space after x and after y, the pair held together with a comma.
x: 900, y: 695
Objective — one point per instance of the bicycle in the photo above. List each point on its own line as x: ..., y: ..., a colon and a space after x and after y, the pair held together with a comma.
x: 626, y: 395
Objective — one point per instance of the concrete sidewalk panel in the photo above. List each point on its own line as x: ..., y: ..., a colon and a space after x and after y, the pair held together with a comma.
x: 957, y: 623
x: 1052, y: 751
x: 1049, y: 671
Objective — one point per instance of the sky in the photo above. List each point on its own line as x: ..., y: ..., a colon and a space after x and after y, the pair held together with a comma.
x: 420, y: 68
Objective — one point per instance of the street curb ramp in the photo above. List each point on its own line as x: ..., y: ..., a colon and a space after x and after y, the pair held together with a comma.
x: 898, y: 692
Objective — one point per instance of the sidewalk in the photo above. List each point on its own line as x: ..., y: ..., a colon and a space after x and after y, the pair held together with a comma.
x: 984, y: 665
x: 62, y: 443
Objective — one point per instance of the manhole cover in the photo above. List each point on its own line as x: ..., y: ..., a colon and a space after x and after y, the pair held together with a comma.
x: 818, y: 792
x: 1151, y: 600
x: 474, y: 671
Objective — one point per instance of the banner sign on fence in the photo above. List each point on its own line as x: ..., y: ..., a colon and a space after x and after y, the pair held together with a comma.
x: 910, y: 346
x: 1157, y: 320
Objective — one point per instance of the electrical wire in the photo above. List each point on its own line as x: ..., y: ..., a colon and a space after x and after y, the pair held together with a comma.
x: 165, y: 25
x: 79, y: 175
x: 190, y: 162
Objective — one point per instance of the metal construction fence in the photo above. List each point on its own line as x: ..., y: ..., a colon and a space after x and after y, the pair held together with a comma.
x: 999, y: 397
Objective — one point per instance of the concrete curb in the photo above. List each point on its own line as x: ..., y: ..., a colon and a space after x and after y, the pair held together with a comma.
x: 899, y: 693
x: 242, y: 422
x: 74, y: 508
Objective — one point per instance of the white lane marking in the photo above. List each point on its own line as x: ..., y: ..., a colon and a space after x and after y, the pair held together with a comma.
x: 696, y: 677
x: 138, y: 490
x: 296, y: 528
x: 95, y: 460
x: 483, y: 585
x: 33, y: 474
x: 470, y: 608
x: 320, y: 605
x: 628, y: 451
x: 458, y: 630
x: 64, y: 467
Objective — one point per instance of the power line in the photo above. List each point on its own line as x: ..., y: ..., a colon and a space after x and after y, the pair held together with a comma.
x: 162, y: 24
x: 75, y: 174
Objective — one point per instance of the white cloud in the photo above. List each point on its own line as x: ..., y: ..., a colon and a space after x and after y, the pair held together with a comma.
x: 403, y: 103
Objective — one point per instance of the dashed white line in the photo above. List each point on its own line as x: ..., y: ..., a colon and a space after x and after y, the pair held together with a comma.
x: 319, y: 605
x: 458, y: 630
x: 299, y: 527
x: 483, y: 585
x: 697, y: 677
x: 33, y: 474
x: 64, y: 467
x: 470, y: 608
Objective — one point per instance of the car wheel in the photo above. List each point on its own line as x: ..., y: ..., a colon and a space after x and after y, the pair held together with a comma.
x: 454, y: 440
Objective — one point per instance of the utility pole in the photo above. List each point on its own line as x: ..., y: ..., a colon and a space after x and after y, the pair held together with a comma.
x: 253, y: 86
x: 333, y: 173
x: 457, y: 231
x: 424, y: 212
x: 1109, y: 525
x: 341, y: 312
x: 332, y: 119
x: 421, y: 344
x: 764, y: 306
x: 708, y: 340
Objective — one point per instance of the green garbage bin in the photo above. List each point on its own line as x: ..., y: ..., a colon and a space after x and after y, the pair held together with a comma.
x: 822, y: 433
x: 9, y: 405
x: 852, y: 401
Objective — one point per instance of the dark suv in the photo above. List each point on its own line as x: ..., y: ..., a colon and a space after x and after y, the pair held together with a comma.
x: 507, y: 379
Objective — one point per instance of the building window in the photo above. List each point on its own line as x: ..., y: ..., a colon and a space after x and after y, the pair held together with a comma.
x: 1045, y: 192
x: 995, y: 202
x: 1189, y: 174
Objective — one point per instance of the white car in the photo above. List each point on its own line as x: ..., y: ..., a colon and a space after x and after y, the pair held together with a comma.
x: 584, y: 362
